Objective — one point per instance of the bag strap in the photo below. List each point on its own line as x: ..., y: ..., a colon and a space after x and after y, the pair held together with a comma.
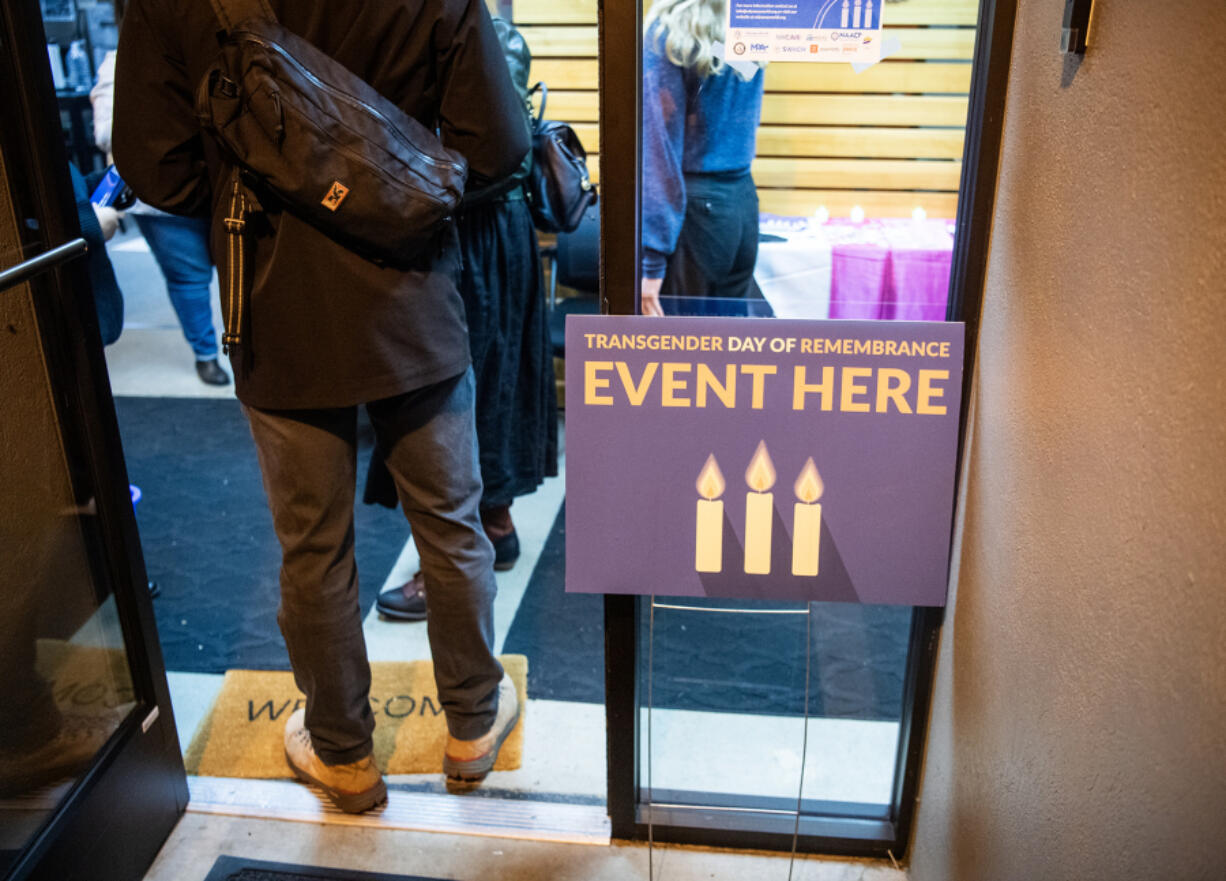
x: 235, y: 223
x: 544, y: 90
x: 232, y: 12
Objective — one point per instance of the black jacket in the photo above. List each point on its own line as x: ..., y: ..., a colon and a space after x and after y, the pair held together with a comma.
x: 326, y: 327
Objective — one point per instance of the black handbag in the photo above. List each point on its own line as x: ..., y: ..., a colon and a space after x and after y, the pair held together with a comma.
x: 559, y: 188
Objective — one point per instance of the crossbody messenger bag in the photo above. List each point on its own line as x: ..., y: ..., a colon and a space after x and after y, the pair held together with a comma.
x: 302, y: 130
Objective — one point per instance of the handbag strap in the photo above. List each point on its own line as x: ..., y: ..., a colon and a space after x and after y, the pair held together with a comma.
x: 544, y: 90
x: 233, y: 12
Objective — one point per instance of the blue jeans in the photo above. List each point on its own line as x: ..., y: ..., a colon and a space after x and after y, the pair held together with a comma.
x: 309, y: 461
x: 180, y: 245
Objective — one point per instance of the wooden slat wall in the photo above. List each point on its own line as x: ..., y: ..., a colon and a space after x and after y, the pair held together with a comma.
x: 888, y: 139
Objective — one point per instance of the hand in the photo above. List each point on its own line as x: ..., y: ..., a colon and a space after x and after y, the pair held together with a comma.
x: 651, y: 297
x: 108, y: 219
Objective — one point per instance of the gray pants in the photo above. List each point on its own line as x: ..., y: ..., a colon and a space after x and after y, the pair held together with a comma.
x: 308, y: 459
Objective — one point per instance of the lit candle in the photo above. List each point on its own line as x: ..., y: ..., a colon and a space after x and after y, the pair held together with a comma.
x: 807, y: 521
x: 709, y: 534
x: 759, y: 512
x: 857, y: 214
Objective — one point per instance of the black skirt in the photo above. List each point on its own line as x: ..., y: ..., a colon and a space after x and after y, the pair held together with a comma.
x: 503, y: 288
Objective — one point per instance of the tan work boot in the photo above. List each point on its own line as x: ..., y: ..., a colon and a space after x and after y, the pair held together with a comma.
x: 354, y: 787
x: 467, y: 762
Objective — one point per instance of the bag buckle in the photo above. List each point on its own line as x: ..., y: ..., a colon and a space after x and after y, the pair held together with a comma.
x: 235, y: 225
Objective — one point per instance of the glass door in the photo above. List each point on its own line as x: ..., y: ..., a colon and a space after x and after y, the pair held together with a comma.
x: 756, y: 723
x: 85, y: 720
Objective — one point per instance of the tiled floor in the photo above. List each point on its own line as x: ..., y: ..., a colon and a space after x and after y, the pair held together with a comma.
x: 847, y: 761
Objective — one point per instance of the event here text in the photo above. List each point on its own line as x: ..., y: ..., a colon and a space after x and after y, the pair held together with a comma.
x: 847, y: 389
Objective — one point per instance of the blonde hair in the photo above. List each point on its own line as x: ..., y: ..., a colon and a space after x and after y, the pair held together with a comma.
x: 689, y: 29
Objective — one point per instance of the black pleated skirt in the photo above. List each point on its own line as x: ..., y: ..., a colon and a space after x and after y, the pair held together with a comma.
x: 503, y: 288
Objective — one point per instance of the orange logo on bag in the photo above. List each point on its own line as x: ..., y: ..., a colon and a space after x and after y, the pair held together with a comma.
x: 335, y: 196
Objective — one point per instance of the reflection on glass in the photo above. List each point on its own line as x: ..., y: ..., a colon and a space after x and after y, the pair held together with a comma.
x: 848, y: 211
x: 798, y: 191
x: 64, y: 680
x: 727, y: 693
x: 700, y: 119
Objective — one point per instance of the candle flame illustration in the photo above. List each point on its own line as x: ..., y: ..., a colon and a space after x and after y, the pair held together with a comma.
x: 760, y: 475
x: 809, y: 486
x: 710, y: 480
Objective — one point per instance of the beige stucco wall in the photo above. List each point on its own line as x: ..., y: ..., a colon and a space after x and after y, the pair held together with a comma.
x: 1078, y: 727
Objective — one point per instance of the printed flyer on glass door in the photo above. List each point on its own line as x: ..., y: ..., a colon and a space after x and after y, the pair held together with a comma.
x: 746, y: 458
x: 804, y: 30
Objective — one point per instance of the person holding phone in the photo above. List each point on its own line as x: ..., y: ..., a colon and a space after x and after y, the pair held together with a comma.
x: 180, y: 246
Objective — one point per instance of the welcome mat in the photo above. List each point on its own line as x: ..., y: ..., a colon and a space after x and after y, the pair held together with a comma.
x: 228, y: 868
x: 87, y: 680
x: 243, y: 734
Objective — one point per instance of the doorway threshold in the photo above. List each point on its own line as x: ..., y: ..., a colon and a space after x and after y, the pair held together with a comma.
x: 522, y: 819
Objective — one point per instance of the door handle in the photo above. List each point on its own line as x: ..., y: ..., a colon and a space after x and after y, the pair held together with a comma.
x: 47, y: 260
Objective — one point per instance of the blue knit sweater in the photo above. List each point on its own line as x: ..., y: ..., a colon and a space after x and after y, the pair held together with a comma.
x: 690, y: 126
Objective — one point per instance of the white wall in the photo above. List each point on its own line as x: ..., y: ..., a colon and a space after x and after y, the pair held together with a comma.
x: 1079, y: 721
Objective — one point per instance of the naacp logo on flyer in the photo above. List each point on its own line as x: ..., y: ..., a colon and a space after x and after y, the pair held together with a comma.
x: 804, y: 30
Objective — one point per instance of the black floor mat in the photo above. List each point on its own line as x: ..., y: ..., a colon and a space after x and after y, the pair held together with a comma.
x: 228, y: 868
x: 713, y: 661
x: 561, y: 633
x: 207, y: 535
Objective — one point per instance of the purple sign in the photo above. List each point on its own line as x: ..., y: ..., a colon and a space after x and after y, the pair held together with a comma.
x: 743, y: 458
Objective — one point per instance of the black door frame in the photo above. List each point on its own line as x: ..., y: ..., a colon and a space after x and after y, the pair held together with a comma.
x: 620, y: 61
x: 115, y: 818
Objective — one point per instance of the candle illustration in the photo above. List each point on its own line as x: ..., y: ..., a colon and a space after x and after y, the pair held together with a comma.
x: 844, y: 17
x: 807, y: 520
x: 855, y: 15
x: 709, y: 534
x: 759, y: 512
x: 868, y: 13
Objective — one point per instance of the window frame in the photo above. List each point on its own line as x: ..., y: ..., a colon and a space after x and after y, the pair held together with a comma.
x: 620, y: 63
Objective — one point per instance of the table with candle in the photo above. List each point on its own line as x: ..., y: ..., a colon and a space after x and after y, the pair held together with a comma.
x: 894, y: 268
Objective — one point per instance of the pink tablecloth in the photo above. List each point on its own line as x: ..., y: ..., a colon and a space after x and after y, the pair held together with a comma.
x: 890, y: 269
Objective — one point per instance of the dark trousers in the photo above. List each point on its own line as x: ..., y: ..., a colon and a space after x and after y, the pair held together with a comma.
x: 308, y: 459
x: 718, y: 245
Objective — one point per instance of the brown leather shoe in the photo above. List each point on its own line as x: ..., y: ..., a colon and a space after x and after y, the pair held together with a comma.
x: 354, y: 787
x: 467, y: 762
x: 406, y: 602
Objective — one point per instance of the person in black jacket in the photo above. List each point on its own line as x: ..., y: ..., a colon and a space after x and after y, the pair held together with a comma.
x: 327, y: 331
x: 503, y: 289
